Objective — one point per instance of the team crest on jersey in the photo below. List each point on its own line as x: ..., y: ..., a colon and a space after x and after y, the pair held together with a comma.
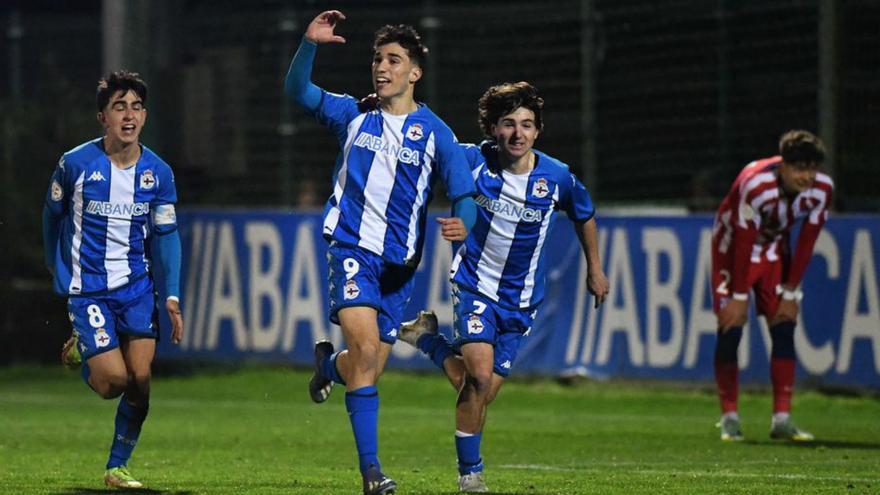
x: 414, y: 133
x: 474, y: 325
x: 746, y: 212
x: 57, y: 191
x: 101, y: 338
x: 351, y: 290
x: 540, y: 188
x: 147, y: 180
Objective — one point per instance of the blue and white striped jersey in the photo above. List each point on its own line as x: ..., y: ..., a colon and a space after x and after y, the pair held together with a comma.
x: 105, y: 214
x: 503, y: 257
x: 384, y: 174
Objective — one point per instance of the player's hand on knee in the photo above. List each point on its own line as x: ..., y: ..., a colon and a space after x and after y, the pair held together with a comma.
x: 788, y: 311
x: 176, y: 318
x: 321, y: 28
x: 733, y: 314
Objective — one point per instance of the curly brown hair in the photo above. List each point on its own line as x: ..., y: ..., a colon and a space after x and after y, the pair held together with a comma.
x: 121, y: 80
x: 504, y: 99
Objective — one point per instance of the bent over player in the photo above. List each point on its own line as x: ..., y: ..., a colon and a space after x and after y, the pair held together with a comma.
x: 751, y: 252
x: 375, y: 220
x: 106, y: 197
x: 498, y: 272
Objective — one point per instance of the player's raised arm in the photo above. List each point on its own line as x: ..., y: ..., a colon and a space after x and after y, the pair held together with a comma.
x: 298, y: 84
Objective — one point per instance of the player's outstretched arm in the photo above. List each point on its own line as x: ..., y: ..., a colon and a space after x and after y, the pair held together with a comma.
x: 321, y: 29
x: 597, y: 282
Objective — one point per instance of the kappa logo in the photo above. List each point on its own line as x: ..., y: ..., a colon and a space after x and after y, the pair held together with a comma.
x: 147, y: 180
x: 540, y: 189
x: 101, y: 338
x: 506, y: 364
x: 97, y: 176
x: 351, y: 290
x: 415, y: 132
x: 490, y: 173
x: 474, y: 325
x: 393, y: 332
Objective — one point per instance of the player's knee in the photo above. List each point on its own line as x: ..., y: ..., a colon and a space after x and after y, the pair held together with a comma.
x: 364, y: 352
x: 109, y: 386
x: 481, y: 381
x: 727, y: 344
x: 782, y: 336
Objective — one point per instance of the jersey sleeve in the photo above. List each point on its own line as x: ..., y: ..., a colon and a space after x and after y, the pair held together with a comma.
x: 472, y: 155
x: 810, y: 230
x: 575, y: 200
x: 746, y: 223
x: 335, y: 112
x: 453, y: 165
x: 57, y: 197
x: 163, y: 215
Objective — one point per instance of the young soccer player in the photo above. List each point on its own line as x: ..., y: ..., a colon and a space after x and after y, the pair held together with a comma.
x: 751, y: 251
x: 498, y: 273
x: 106, y: 197
x: 375, y: 220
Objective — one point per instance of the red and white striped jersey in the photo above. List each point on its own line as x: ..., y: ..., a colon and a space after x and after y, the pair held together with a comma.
x: 755, y: 218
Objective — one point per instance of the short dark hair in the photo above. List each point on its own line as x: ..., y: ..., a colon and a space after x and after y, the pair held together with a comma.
x: 801, y: 148
x: 121, y: 80
x: 407, y: 37
x: 504, y: 99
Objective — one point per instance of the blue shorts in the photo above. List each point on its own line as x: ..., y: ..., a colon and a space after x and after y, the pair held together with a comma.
x: 479, y: 319
x: 98, y: 320
x: 361, y: 278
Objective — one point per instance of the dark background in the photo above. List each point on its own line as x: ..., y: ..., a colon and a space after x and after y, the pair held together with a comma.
x: 653, y: 104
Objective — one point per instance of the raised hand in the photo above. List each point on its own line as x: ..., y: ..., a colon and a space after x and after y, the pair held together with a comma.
x: 321, y: 28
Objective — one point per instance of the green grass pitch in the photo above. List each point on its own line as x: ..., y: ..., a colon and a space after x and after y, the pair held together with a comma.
x: 252, y: 429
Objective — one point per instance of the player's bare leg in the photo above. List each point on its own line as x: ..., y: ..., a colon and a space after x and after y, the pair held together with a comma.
x: 360, y: 367
x: 107, y: 374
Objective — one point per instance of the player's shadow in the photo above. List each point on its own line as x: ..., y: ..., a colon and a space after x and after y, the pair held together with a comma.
x: 105, y: 491
x: 819, y: 444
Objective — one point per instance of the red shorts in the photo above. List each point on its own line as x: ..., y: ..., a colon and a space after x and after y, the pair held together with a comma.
x: 763, y: 278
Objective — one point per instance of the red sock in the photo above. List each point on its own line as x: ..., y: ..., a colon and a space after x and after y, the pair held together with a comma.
x: 782, y: 377
x: 727, y: 379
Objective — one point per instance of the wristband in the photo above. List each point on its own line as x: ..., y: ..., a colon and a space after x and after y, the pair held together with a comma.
x: 789, y: 295
x: 740, y: 296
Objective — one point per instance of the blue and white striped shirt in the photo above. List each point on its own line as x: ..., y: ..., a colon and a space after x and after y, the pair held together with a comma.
x: 385, y: 173
x: 107, y: 214
x: 503, y: 257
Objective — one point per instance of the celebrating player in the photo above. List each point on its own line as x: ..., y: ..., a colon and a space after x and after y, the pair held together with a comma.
x: 106, y: 197
x: 375, y: 220
x: 751, y: 251
x: 498, y: 273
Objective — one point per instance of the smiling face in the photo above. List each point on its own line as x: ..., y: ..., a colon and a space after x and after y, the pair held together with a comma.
x: 123, y: 118
x: 515, y: 133
x: 394, y: 73
x: 797, y: 177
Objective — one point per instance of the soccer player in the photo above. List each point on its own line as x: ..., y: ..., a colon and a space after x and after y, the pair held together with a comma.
x: 106, y: 197
x: 498, y: 273
x: 375, y: 220
x: 751, y: 251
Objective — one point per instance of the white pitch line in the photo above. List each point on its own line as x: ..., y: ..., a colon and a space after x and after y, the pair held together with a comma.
x: 695, y: 474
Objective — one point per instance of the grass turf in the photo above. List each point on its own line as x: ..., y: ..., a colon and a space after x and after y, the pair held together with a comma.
x: 254, y: 430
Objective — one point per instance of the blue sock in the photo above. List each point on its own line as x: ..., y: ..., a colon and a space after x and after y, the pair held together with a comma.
x: 129, y: 420
x: 328, y: 369
x: 467, y: 445
x: 363, y: 412
x: 436, y: 347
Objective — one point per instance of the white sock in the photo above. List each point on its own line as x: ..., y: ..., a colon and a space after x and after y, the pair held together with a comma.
x: 779, y: 418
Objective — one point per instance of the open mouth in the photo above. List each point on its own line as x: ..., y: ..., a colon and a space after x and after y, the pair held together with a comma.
x: 128, y: 128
